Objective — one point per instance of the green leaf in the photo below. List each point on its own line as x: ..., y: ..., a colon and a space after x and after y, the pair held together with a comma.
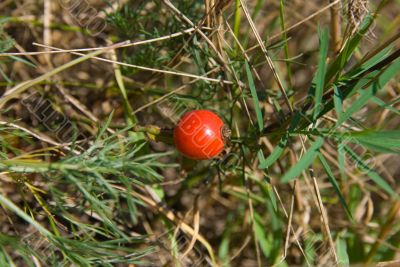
x: 359, y: 69
x: 6, y: 44
x: 4, y: 201
x: 224, y: 246
x: 255, y: 97
x: 272, y: 197
x: 341, y: 159
x: 259, y: 232
x: 26, y: 62
x: 341, y: 251
x: 371, y: 173
x: 277, y: 152
x: 261, y: 157
x: 319, y: 79
x: 381, y: 141
x: 366, y: 95
x: 338, y: 64
x: 223, y: 250
x: 384, y: 105
x: 268, y: 192
x: 304, y: 162
x: 335, y: 185
x: 337, y: 100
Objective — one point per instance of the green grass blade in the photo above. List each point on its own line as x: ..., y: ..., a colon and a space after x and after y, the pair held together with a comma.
x: 259, y: 230
x: 304, y: 162
x: 337, y: 100
x: 341, y: 160
x: 384, y: 105
x: 255, y: 97
x: 26, y: 62
x: 278, y: 150
x: 381, y: 141
x: 237, y: 21
x: 366, y: 95
x: 338, y: 64
x: 359, y: 69
x: 371, y: 173
x: 319, y: 80
x: 10, y: 205
x: 341, y: 251
x: 335, y: 185
x: 276, y: 153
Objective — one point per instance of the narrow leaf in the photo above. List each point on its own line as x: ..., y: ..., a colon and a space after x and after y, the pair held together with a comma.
x: 277, y: 152
x: 341, y: 251
x: 335, y: 185
x: 337, y: 100
x: 381, y: 141
x: 338, y: 64
x: 371, y: 173
x: 341, y: 159
x: 255, y: 97
x: 304, y: 162
x: 382, y: 104
x: 366, y: 95
x: 320, y: 76
x: 10, y: 205
x: 259, y: 231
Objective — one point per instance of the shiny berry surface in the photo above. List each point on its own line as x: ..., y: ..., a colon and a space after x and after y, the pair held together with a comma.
x: 198, y: 134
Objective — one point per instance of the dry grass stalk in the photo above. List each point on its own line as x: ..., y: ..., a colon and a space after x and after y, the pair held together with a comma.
x: 336, y: 26
x: 357, y: 10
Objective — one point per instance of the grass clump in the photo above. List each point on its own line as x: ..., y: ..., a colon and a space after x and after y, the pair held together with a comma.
x: 309, y: 176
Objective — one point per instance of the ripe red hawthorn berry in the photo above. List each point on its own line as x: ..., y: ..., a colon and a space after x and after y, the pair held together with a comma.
x: 200, y: 134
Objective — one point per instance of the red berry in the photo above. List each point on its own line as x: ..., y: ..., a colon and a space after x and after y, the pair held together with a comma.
x: 199, y: 134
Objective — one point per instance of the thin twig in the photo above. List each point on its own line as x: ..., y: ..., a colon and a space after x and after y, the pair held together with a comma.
x: 266, y: 55
x: 130, y: 44
x: 172, y: 217
x: 40, y: 136
x: 18, y: 89
x: 324, y: 216
x: 183, y: 74
x: 296, y: 24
